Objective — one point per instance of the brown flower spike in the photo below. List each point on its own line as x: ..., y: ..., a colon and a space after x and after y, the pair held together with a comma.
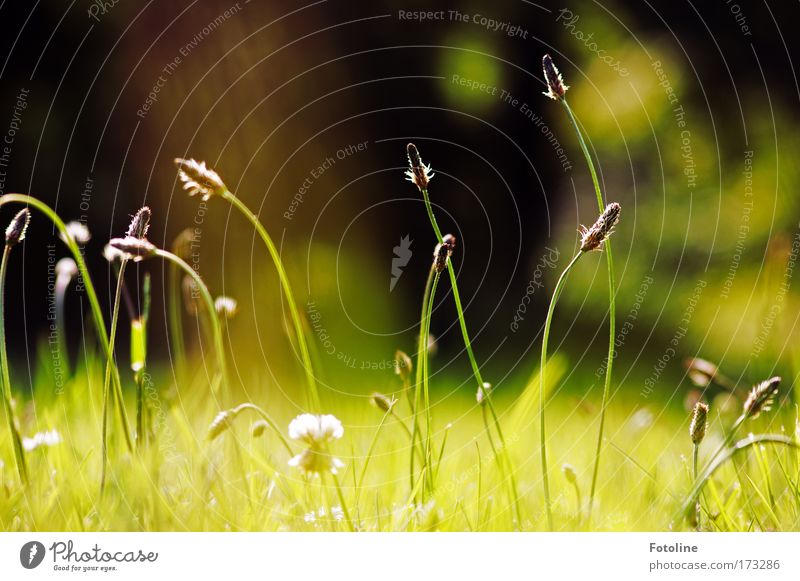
x: 417, y: 172
x: 15, y: 233
x: 198, y: 178
x: 555, y: 83
x: 443, y: 251
x: 761, y: 397
x: 593, y: 238
x: 697, y: 428
x: 140, y: 224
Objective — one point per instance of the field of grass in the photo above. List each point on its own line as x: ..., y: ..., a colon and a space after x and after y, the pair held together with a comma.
x: 146, y: 447
x: 182, y: 481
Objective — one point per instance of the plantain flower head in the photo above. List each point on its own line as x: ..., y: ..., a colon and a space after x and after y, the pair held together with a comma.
x: 199, y: 179
x: 418, y: 173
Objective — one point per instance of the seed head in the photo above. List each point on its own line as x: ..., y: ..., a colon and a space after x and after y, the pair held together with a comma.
x: 403, y: 365
x: 140, y: 224
x: 15, y: 233
x: 483, y: 393
x: 697, y: 427
x: 383, y: 402
x: 593, y: 238
x: 258, y: 428
x: 418, y: 173
x: 555, y: 83
x: 221, y: 423
x: 226, y: 307
x: 569, y: 473
x: 761, y: 397
x: 136, y: 249
x: 78, y: 232
x: 66, y: 268
x: 199, y: 179
x: 443, y: 251
x: 701, y: 372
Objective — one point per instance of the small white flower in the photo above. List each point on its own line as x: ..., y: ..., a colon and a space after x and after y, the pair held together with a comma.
x: 226, y: 307
x: 316, y: 431
x: 66, y: 268
x: 49, y: 438
x: 78, y: 231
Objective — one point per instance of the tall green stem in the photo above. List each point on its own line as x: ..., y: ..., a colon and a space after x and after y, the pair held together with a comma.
x: 216, y: 329
x: 313, y: 392
x: 422, y: 349
x: 468, y: 345
x: 426, y: 384
x: 612, y: 310
x: 177, y: 343
x: 543, y: 382
x: 19, y: 453
x: 97, y: 313
x: 109, y: 365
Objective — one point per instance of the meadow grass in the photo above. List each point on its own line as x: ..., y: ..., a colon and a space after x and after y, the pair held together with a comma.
x: 380, y: 463
x: 183, y: 480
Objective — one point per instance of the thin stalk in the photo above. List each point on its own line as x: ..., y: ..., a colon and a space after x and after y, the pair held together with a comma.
x: 612, y: 310
x: 426, y: 386
x: 695, y: 453
x: 97, y: 313
x: 422, y: 348
x: 700, y: 482
x: 343, y: 503
x: 19, y: 453
x: 266, y: 417
x: 313, y: 392
x: 107, y: 378
x: 140, y: 431
x: 542, y: 382
x: 216, y: 330
x: 468, y: 346
x: 177, y: 343
x: 62, y: 283
x: 371, y: 449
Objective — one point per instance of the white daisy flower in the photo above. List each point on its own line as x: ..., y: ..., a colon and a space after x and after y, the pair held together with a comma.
x: 316, y: 431
x: 49, y: 438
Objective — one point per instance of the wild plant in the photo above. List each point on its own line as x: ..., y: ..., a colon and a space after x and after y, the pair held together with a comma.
x: 557, y: 90
x: 420, y: 175
x: 592, y: 239
x: 199, y: 179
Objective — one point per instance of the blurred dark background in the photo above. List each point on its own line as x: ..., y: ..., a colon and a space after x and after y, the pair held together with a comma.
x: 265, y: 92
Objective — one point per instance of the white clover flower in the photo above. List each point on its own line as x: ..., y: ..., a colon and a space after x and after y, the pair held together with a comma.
x: 78, y: 232
x: 316, y: 431
x: 49, y: 438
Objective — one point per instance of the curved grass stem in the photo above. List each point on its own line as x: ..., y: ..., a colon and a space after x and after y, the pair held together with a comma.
x: 97, y: 313
x: 305, y: 356
x: 13, y: 428
x: 216, y: 329
x: 422, y: 349
x: 107, y: 377
x: 475, y: 368
x: 543, y: 382
x: 612, y: 310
